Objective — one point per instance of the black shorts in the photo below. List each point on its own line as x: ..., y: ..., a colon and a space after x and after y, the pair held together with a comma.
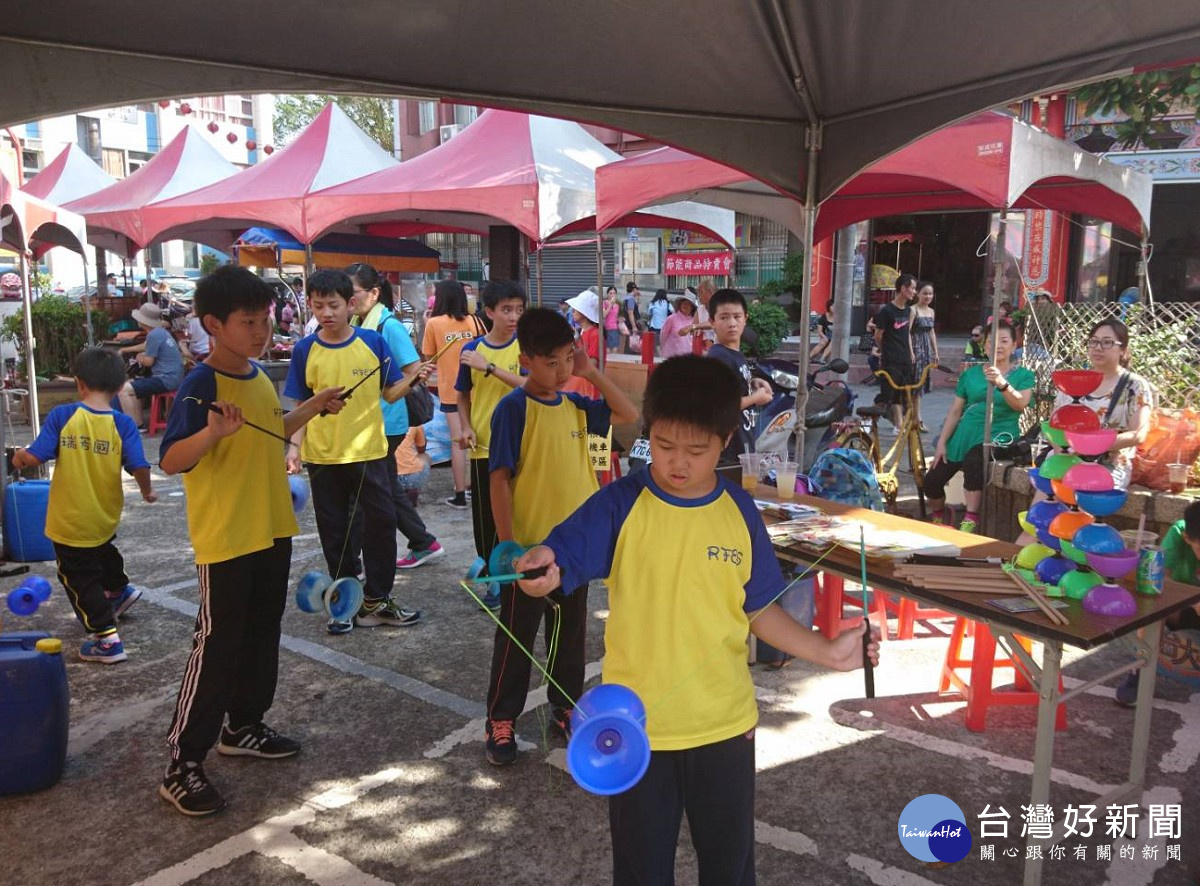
x: 902, y: 374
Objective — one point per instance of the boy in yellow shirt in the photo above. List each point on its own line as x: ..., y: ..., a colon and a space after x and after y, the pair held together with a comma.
x: 690, y: 571
x: 91, y: 443
x: 241, y: 525
x: 540, y: 473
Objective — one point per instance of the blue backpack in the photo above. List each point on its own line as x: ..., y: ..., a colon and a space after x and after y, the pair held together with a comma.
x: 846, y: 476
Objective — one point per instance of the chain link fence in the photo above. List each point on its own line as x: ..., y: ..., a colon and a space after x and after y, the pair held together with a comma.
x: 1164, y: 347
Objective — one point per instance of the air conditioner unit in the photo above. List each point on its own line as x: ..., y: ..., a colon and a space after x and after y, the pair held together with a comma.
x: 447, y: 132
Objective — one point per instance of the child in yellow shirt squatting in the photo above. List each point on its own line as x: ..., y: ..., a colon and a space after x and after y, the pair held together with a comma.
x: 91, y: 443
x: 690, y: 572
x: 540, y: 473
x: 241, y: 525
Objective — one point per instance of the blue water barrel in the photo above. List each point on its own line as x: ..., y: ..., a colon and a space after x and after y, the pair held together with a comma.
x: 33, y: 712
x: 25, y: 521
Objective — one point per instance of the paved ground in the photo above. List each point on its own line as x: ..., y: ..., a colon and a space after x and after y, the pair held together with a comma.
x: 392, y: 786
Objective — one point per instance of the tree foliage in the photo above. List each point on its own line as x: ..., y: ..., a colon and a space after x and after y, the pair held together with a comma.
x: 372, y: 115
x: 1143, y: 100
x: 771, y: 323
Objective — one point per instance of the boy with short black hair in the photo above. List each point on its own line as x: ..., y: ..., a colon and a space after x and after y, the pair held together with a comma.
x: 91, y: 443
x: 727, y: 312
x: 241, y: 525
x: 490, y: 368
x: 659, y: 538
x: 347, y: 454
x: 540, y: 473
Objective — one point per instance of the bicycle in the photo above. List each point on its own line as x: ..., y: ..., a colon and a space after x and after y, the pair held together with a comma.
x: 908, y: 438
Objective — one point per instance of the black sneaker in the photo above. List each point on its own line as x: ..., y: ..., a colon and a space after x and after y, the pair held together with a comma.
x: 456, y: 502
x: 385, y: 612
x: 501, y: 742
x: 259, y: 740
x: 187, y: 789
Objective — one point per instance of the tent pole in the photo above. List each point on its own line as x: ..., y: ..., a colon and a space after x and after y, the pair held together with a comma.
x: 813, y: 143
x: 539, y: 274
x: 997, y: 291
x: 603, y: 349
x: 87, y: 306
x: 30, y: 344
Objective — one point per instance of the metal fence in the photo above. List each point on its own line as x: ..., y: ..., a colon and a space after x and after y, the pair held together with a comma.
x: 1164, y: 347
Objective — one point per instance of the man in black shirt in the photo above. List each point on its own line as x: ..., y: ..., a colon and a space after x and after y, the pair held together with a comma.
x: 728, y: 308
x: 893, y: 334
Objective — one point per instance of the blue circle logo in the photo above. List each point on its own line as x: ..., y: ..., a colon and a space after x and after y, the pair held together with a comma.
x: 933, y: 828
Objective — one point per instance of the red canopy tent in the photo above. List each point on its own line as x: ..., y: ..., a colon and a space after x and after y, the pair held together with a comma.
x: 30, y: 226
x: 534, y: 173
x: 331, y: 150
x: 990, y: 161
x: 69, y: 176
x: 115, y: 214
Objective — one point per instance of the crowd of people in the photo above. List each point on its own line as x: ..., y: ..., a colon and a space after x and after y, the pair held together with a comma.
x: 522, y: 391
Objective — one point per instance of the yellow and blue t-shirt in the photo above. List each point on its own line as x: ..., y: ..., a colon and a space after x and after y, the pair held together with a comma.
x: 356, y: 433
x: 90, y: 448
x: 683, y: 577
x: 487, y: 390
x: 544, y: 443
x: 238, y: 499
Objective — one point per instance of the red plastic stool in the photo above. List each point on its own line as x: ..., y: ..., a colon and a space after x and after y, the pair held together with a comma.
x: 982, y: 662
x: 907, y: 612
x: 831, y: 599
x: 160, y: 408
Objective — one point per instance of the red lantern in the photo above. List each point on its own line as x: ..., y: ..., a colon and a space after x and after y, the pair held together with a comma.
x: 268, y: 150
x: 251, y: 145
x: 185, y: 108
x: 231, y: 138
x: 213, y: 127
x: 164, y: 104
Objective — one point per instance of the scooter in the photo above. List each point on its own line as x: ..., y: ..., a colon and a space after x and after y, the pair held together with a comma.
x: 775, y: 430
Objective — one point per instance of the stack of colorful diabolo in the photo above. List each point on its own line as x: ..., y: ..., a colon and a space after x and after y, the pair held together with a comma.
x: 1077, y: 555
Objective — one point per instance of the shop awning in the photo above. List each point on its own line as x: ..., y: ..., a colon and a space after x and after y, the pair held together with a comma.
x: 267, y: 247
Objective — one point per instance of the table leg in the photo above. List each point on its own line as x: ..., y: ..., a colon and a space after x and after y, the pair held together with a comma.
x: 1148, y: 647
x: 829, y: 614
x: 1043, y: 749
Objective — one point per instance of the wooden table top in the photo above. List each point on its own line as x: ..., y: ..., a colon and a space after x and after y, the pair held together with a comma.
x: 1085, y: 630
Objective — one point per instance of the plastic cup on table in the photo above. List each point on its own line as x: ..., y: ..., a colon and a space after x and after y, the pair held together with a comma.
x: 785, y: 478
x: 751, y: 469
x: 1177, y: 475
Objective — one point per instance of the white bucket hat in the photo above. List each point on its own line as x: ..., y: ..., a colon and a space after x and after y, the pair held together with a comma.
x: 588, y: 304
x: 148, y: 314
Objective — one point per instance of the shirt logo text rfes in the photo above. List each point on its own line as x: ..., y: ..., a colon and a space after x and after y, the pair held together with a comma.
x: 725, y: 555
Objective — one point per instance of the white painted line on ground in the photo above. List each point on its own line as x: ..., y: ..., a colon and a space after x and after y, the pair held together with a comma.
x: 959, y: 751
x: 885, y: 875
x: 316, y: 864
x: 1141, y: 871
x: 781, y: 838
x: 90, y: 731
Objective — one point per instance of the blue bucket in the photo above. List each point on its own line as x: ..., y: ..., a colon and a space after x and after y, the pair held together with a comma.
x: 33, y: 712
x: 25, y: 521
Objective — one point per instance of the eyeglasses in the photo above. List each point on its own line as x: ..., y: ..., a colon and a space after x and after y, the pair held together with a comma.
x: 1102, y: 344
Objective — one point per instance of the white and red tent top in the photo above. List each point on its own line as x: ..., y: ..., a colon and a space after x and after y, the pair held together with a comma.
x: 115, y: 214
x: 667, y: 174
x: 70, y: 176
x: 29, y: 223
x: 331, y: 150
x: 534, y: 173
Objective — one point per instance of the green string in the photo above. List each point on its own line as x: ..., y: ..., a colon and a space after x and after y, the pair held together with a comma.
x: 553, y: 646
x: 537, y: 664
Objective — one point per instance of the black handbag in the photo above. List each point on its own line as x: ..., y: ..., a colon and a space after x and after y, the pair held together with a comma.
x: 420, y: 405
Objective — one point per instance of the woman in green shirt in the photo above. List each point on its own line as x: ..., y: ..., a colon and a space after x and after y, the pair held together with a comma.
x: 960, y: 444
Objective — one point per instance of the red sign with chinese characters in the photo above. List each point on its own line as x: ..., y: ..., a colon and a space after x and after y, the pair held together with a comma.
x: 683, y: 263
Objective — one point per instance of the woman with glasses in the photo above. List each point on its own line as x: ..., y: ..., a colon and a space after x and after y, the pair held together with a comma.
x: 1123, y: 400
x: 960, y: 444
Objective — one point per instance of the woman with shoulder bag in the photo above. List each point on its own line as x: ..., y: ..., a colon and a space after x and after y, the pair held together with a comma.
x: 372, y: 304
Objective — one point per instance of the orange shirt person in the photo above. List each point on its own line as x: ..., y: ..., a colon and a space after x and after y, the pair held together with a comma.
x: 449, y: 327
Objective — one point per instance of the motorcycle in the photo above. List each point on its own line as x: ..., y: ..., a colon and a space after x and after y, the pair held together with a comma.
x: 775, y: 429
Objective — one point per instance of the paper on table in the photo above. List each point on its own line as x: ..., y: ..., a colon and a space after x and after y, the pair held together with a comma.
x: 1023, y: 604
x: 893, y: 544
